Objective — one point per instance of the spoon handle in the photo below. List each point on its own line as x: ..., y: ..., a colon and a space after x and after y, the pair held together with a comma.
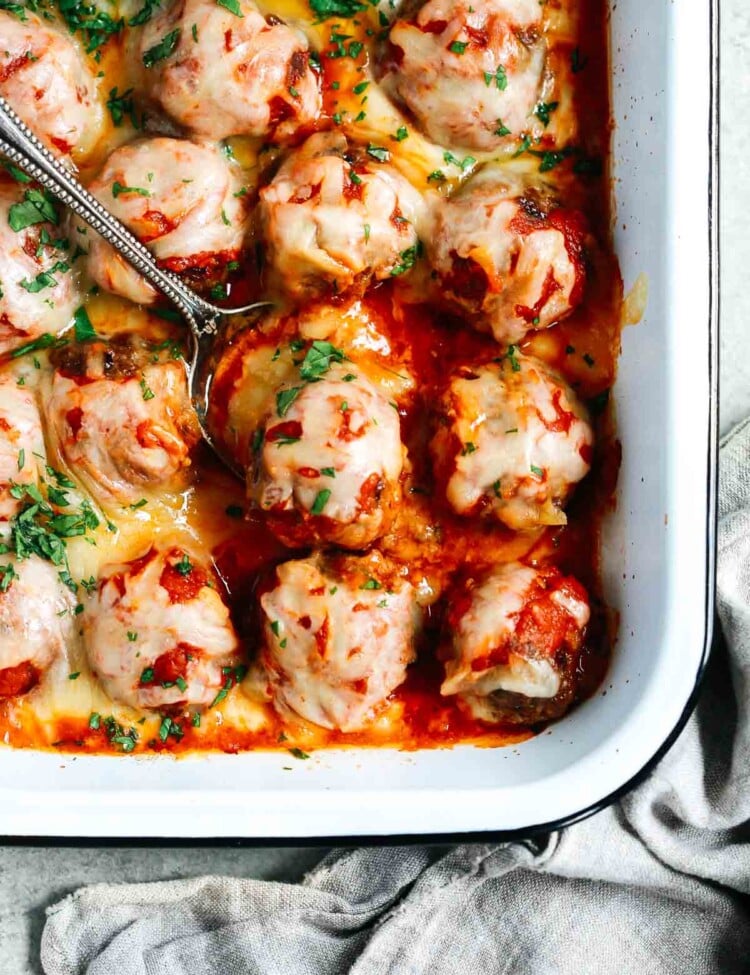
x: 22, y: 148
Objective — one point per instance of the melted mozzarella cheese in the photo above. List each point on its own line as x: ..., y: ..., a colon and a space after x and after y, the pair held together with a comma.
x: 137, y: 619
x: 124, y: 436
x: 335, y: 455
x: 488, y: 625
x: 332, y: 224
x: 514, y: 443
x: 47, y: 82
x: 21, y: 442
x: 472, y: 73
x: 37, y: 294
x: 506, y: 255
x: 36, y: 623
x: 182, y: 199
x: 230, y: 75
x: 334, y: 649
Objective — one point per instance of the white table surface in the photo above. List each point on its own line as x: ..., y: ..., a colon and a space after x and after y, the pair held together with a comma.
x: 31, y: 878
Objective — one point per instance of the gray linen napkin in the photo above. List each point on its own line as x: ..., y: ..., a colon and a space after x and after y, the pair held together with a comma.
x: 656, y: 884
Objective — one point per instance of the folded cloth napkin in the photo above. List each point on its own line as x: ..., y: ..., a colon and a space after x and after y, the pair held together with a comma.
x: 656, y: 884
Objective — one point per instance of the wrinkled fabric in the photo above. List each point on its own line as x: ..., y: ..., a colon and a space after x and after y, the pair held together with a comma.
x: 657, y: 883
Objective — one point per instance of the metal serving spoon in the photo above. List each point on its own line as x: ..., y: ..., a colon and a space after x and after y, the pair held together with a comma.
x: 19, y: 144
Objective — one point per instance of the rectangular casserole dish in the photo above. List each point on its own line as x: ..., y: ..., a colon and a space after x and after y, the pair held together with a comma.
x: 657, y: 558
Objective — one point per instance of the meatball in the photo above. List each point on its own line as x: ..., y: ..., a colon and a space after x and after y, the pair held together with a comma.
x: 511, y: 442
x: 179, y: 198
x: 470, y: 71
x: 220, y: 74
x: 328, y: 461
x: 507, y: 255
x: 333, y: 219
x: 36, y: 621
x: 38, y: 289
x: 514, y: 642
x: 338, y: 635
x: 47, y: 82
x: 21, y: 443
x: 158, y: 634
x: 121, y: 418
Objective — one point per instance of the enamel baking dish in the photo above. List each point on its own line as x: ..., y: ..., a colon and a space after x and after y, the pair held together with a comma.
x: 657, y: 555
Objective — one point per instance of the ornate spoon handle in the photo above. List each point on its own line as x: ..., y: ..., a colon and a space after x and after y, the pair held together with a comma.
x: 22, y: 148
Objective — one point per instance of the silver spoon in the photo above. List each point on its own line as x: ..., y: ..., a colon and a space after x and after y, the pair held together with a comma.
x: 19, y: 144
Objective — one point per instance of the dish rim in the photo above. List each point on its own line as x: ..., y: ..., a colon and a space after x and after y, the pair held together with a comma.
x: 481, y: 836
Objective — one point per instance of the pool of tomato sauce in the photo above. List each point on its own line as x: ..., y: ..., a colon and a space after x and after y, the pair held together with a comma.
x: 434, y: 345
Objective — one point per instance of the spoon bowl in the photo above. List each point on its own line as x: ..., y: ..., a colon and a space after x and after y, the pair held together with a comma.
x: 205, y: 320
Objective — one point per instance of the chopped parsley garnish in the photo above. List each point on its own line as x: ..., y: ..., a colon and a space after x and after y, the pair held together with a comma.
x: 234, y: 511
x: 537, y: 471
x: 361, y: 87
x: 371, y: 584
x: 7, y: 575
x: 144, y: 14
x: 95, y: 720
x: 118, y: 189
x: 132, y: 637
x: 499, y: 77
x: 44, y: 279
x: 468, y: 448
x: 285, y: 398
x: 82, y: 327
x: 543, y: 111
x: 146, y: 390
x: 436, y: 176
x: 147, y: 675
x: 458, y: 47
x: 75, y: 675
x: 325, y: 9
x: 37, y: 207
x: 463, y: 164
x: 184, y: 566
x: 408, y: 260
x: 95, y: 25
x: 121, y: 105
x: 401, y: 133
x: 328, y: 471
x: 523, y: 146
x: 379, y: 153
x: 117, y: 735
x: 232, y: 6
x: 162, y: 50
x: 297, y: 753
x: 319, y: 359
x: 502, y: 128
x: 321, y: 500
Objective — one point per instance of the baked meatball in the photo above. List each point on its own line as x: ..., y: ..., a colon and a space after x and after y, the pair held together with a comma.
x: 157, y: 632
x: 335, y: 218
x: 470, y: 71
x: 338, y: 635
x: 507, y: 255
x: 328, y: 461
x: 36, y: 621
x: 514, y: 640
x: 47, y: 82
x: 181, y: 200
x: 121, y: 418
x: 38, y: 287
x: 511, y: 442
x: 21, y: 443
x: 219, y: 74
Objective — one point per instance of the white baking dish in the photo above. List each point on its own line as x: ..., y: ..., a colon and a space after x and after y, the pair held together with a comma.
x: 658, y: 555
